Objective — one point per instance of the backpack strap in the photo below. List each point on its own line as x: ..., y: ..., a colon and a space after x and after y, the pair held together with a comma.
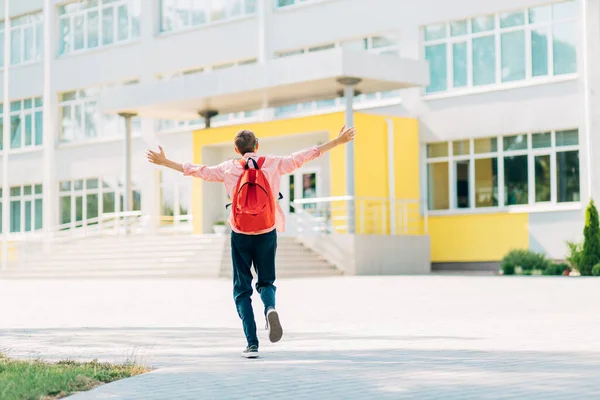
x: 261, y: 161
x: 256, y: 165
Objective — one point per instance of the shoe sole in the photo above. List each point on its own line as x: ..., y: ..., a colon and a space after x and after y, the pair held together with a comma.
x: 275, y: 329
x: 250, y: 356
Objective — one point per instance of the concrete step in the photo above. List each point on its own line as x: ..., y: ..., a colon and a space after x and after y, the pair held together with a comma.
x: 177, y: 273
x: 113, y: 266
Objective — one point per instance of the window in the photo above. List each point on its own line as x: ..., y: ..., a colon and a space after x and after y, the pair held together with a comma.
x: 285, y: 3
x: 80, y: 121
x: 178, y: 15
x: 25, y: 208
x: 83, y: 201
x: 27, y: 39
x: 437, y: 183
x: 89, y: 24
x: 26, y: 123
x: 525, y: 44
x: 512, y: 170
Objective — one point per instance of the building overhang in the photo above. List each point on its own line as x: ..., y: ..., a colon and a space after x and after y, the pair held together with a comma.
x: 288, y: 80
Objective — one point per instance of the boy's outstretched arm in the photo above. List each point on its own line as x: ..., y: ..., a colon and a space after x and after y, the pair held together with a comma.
x: 290, y: 163
x: 212, y: 174
x: 159, y: 158
x: 345, y: 136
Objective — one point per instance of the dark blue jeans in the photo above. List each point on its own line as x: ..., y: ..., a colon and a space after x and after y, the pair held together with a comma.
x: 257, y: 250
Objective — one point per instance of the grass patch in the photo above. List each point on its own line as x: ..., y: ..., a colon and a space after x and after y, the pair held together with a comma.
x: 38, y: 380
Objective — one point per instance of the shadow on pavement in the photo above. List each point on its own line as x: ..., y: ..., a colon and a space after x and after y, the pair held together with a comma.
x: 204, y: 363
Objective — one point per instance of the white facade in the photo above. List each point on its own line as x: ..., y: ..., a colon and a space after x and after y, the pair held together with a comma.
x: 140, y: 42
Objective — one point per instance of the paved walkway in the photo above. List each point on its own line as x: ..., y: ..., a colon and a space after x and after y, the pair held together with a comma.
x: 346, y: 338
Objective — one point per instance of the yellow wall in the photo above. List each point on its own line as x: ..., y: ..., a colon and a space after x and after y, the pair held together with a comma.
x: 477, y: 237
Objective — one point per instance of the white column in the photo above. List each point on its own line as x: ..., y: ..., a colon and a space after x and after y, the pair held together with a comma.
x: 349, y: 83
x: 149, y: 177
x: 128, y: 195
x: 50, y: 200
x: 589, y: 61
x: 264, y: 11
x: 6, y: 137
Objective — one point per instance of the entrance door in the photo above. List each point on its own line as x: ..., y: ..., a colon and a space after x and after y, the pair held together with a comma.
x: 302, y: 184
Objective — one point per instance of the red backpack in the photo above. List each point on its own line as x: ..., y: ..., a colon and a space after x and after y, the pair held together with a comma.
x: 253, y: 205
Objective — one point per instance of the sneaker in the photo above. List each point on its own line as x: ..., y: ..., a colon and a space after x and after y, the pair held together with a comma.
x: 250, y: 352
x: 274, y: 326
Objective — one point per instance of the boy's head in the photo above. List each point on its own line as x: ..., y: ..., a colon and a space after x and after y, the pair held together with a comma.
x: 245, y: 142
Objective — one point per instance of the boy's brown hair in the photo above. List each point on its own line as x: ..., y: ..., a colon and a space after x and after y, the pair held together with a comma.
x: 245, y: 141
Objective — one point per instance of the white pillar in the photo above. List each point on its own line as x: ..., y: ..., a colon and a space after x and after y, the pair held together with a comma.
x: 6, y: 137
x: 50, y: 204
x: 149, y: 177
x: 263, y: 19
x: 262, y: 11
x: 349, y: 83
x: 128, y: 195
x: 391, y: 175
x: 588, y: 61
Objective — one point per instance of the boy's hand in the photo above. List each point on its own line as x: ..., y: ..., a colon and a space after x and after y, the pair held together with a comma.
x: 158, y: 158
x: 346, y: 135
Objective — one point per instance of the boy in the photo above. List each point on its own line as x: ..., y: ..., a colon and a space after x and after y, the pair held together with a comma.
x: 257, y: 247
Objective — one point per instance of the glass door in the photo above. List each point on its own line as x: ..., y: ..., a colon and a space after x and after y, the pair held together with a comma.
x: 303, y: 184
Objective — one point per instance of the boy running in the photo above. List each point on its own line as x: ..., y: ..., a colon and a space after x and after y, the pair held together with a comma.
x: 255, y: 219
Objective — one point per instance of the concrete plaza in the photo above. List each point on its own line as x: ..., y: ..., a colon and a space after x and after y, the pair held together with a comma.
x: 426, y: 337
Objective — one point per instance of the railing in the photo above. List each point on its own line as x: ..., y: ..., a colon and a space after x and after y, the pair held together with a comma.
x: 369, y: 215
x: 28, y: 246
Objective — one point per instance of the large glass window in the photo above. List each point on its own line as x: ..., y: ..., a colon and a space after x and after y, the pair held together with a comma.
x: 505, y: 171
x: 177, y: 15
x: 80, y: 121
x: 541, y: 41
x: 88, y: 24
x: 285, y: 3
x: 438, y: 64
x: 26, y: 123
x: 516, y: 184
x: 486, y: 182
x: 83, y: 201
x: 462, y: 178
x: 27, y: 39
x: 25, y: 208
x: 437, y: 183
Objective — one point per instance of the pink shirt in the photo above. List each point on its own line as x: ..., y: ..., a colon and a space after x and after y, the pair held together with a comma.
x: 230, y: 171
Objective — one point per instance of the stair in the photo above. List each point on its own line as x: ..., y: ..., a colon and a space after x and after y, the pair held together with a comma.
x: 155, y: 256
x: 293, y: 260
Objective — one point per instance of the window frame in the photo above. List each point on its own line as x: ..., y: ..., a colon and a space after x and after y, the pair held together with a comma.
x: 99, y: 9
x: 35, y: 21
x: 23, y: 198
x: 209, y: 17
x: 105, y: 186
x: 36, y: 106
x: 532, y: 205
x: 82, y: 100
x: 528, y: 27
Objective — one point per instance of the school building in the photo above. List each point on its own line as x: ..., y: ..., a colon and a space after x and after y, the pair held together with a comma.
x: 478, y: 121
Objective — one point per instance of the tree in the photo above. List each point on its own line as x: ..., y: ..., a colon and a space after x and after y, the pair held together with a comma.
x: 591, y: 245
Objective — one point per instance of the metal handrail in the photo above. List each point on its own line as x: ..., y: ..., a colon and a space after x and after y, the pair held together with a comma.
x: 373, y: 214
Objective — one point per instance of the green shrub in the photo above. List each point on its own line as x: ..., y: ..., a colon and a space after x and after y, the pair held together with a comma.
x: 591, y: 244
x: 556, y: 269
x: 524, y: 262
x: 596, y: 270
x: 508, y: 269
x: 575, y: 252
